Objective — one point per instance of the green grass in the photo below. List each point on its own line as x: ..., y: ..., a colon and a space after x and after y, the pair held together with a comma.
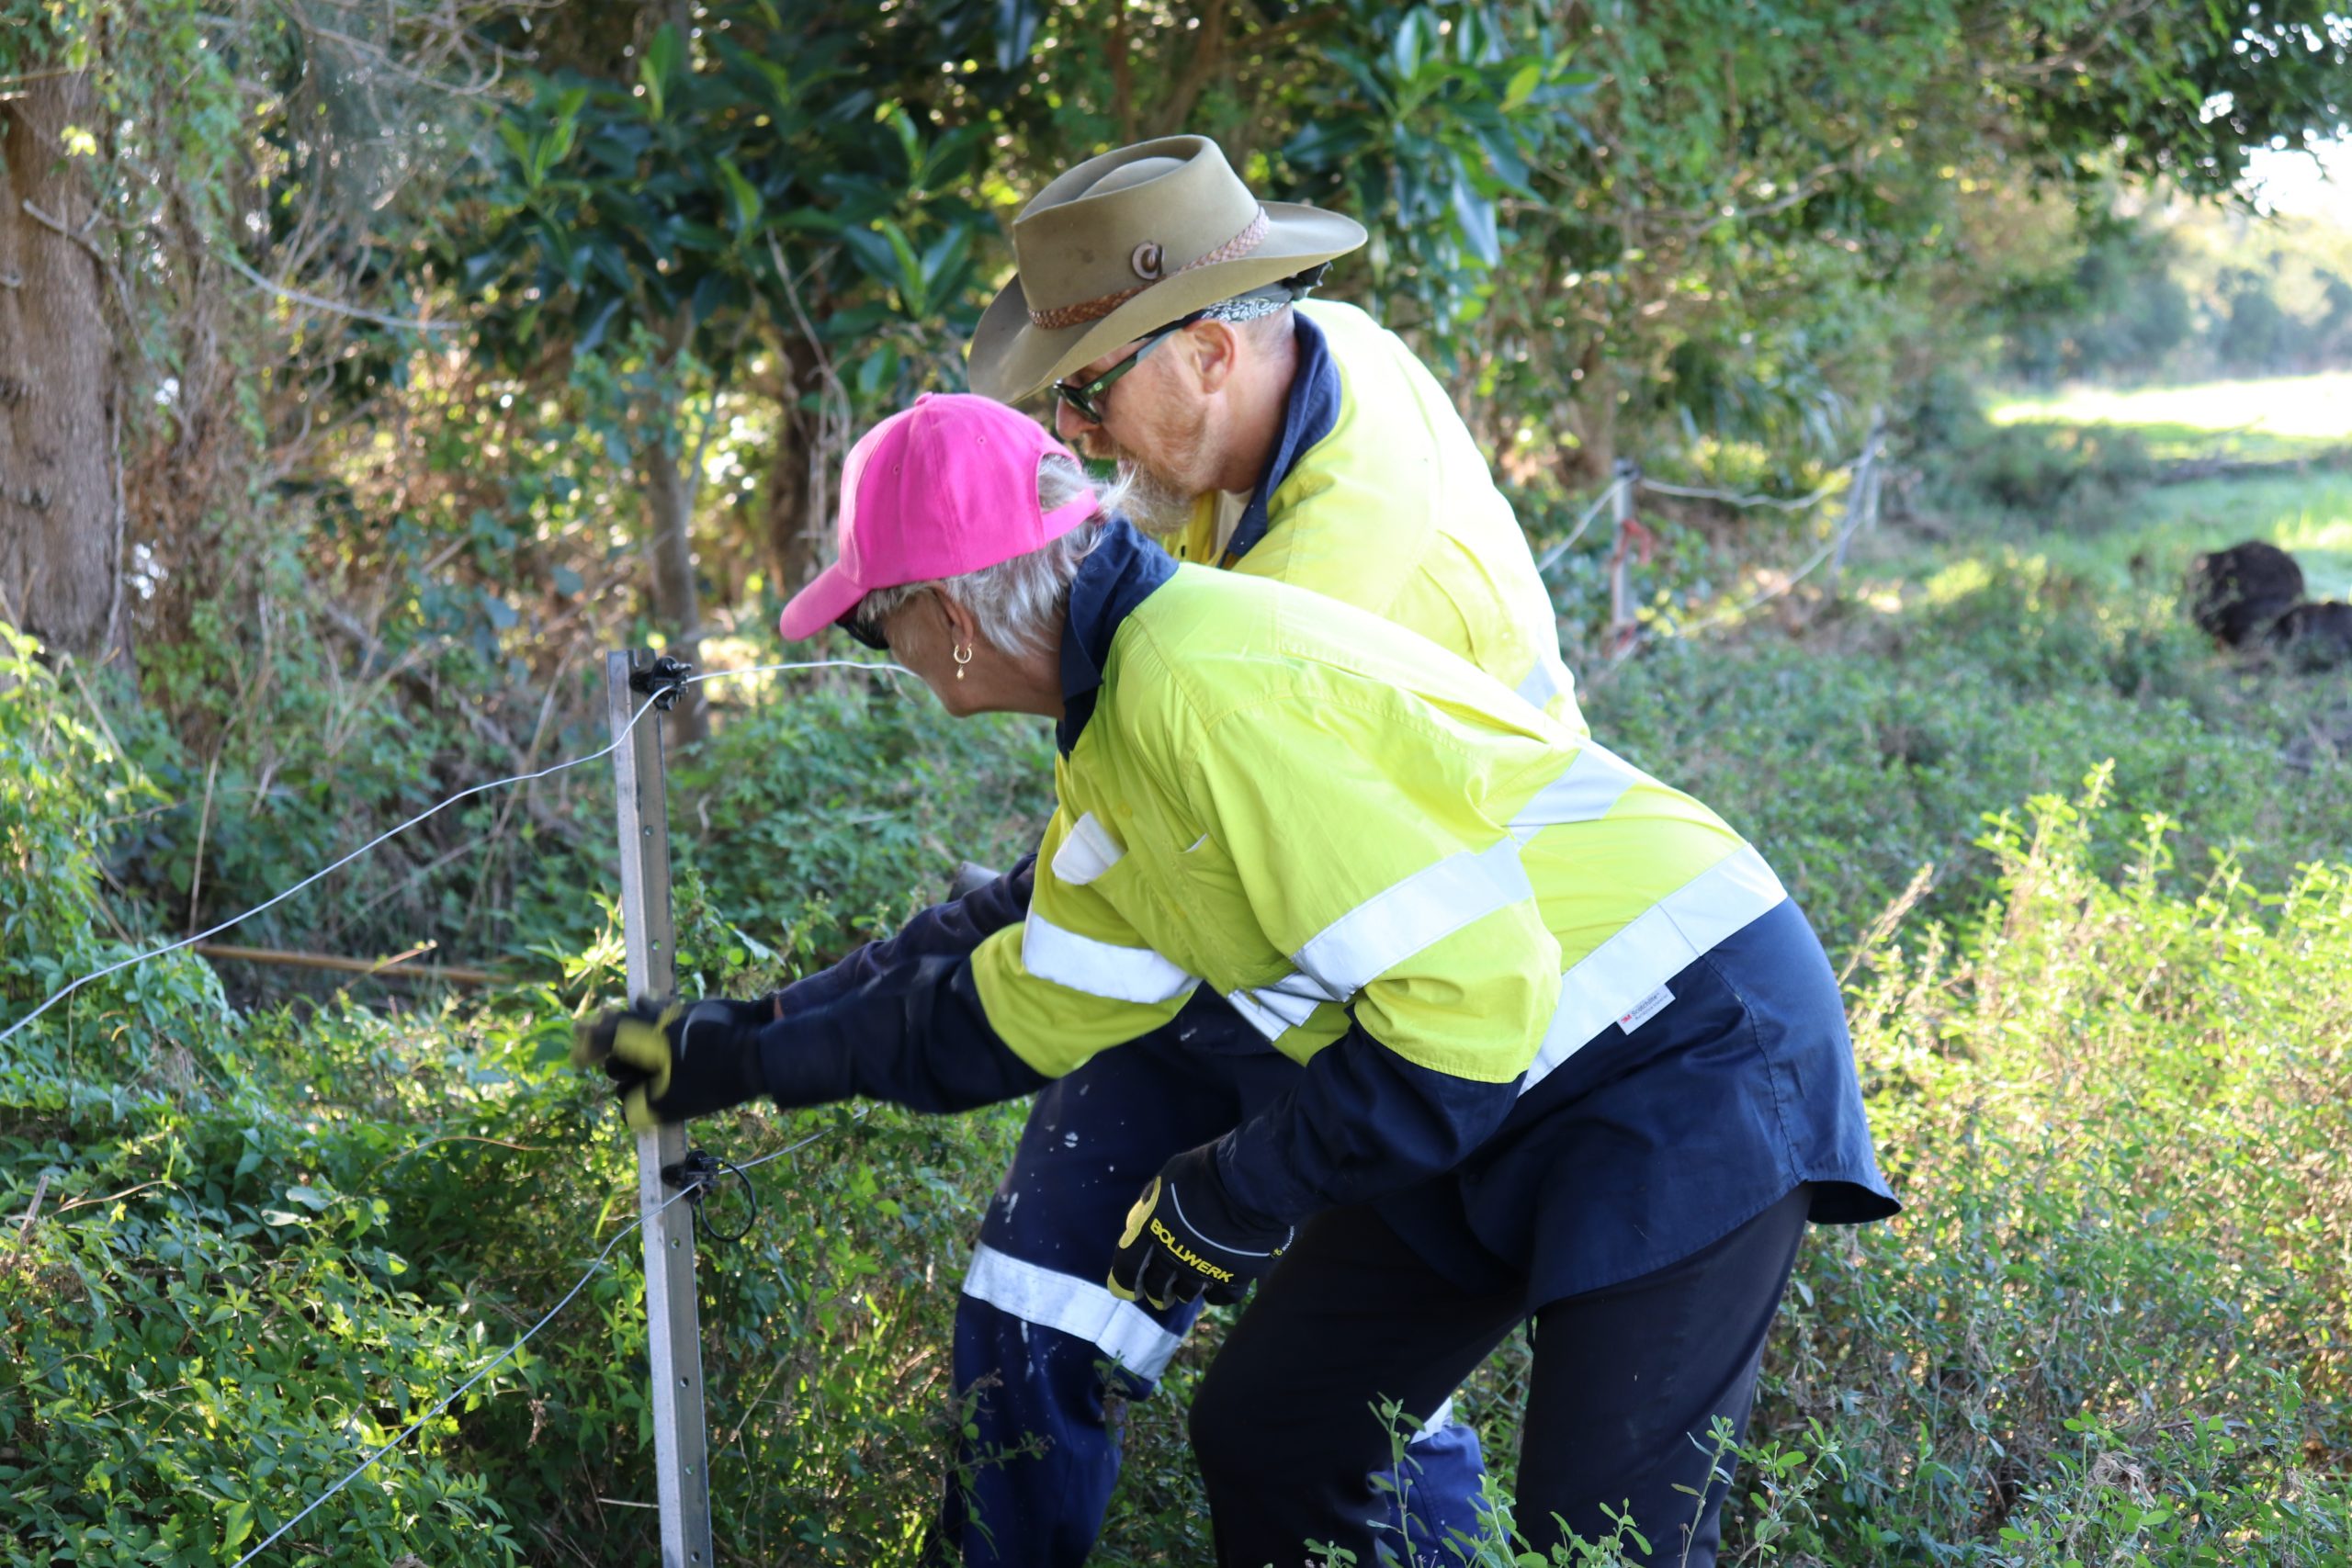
x: 2131, y: 547
x: 1975, y: 660
x: 2287, y: 417
x: 2308, y: 515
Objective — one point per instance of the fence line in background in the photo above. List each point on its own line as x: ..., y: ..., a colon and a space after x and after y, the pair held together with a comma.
x: 1861, y: 511
x: 1630, y: 537
x: 1545, y: 562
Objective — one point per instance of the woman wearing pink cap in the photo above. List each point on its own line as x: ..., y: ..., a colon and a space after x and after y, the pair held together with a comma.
x: 1549, y: 1043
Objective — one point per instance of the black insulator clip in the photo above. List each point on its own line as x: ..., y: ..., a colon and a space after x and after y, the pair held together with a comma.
x: 664, y: 680
x: 697, y: 1174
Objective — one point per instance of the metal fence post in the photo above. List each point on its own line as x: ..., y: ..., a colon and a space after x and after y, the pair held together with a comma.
x: 682, y: 1481
x: 1862, y: 499
x: 1621, y: 629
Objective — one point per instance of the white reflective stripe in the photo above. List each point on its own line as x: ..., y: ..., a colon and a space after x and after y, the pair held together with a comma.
x: 1697, y: 916
x: 1438, y: 1422
x: 1099, y: 968
x: 1434, y: 902
x: 1274, y: 1010
x: 1592, y: 783
x: 1088, y: 852
x: 1547, y: 680
x: 1391, y: 926
x: 1077, y: 1307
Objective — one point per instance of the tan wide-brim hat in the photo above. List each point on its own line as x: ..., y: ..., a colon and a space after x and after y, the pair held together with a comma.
x: 1131, y: 241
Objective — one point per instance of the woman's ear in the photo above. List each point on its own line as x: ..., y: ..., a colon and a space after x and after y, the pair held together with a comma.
x: 963, y: 626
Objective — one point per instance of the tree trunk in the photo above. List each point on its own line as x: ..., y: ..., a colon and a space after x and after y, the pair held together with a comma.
x: 672, y: 477
x: 669, y: 516
x: 1592, y: 415
x: 791, y: 509
x: 60, y: 495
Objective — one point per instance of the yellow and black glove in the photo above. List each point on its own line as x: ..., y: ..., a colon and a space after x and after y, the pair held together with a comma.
x: 677, y: 1061
x: 1183, y: 1242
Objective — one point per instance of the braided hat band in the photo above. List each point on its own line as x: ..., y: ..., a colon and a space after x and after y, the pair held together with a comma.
x: 1094, y: 310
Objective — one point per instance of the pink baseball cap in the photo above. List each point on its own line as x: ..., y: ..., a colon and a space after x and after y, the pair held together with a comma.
x: 944, y: 488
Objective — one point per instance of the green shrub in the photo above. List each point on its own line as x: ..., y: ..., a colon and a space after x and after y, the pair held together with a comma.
x: 864, y: 795
x: 2053, y: 472
x: 205, y: 1310
x: 2112, y: 1325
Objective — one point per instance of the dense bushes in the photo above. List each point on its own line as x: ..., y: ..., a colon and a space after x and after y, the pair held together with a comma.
x: 863, y: 794
x: 268, y: 1243
x: 2112, y: 1326
x: 208, y: 1312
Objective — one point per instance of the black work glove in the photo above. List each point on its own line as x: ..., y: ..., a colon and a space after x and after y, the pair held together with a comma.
x: 1183, y: 1240
x: 676, y: 1060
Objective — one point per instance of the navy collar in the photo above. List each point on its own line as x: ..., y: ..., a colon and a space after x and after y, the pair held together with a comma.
x: 1119, y: 573
x: 1312, y: 408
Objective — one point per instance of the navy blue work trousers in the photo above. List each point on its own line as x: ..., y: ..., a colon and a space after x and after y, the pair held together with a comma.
x: 1628, y: 1383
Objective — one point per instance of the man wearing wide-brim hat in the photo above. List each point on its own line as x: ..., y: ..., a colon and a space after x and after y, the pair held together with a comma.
x: 1162, y: 301
x: 1157, y: 298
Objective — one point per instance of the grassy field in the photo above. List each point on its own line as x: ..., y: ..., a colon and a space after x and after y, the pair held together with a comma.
x: 2289, y: 417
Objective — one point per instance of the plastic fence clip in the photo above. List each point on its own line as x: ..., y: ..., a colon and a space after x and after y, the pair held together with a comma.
x: 665, y: 680
x: 698, y: 1175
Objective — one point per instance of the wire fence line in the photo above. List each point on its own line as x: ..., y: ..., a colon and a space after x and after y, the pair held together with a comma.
x: 1861, y: 509
x: 429, y: 812
x: 1721, y: 617
x: 1626, y: 635
x: 878, y: 667
x: 1549, y: 557
x: 1638, y: 481
x: 1545, y: 562
x: 593, y: 1268
x: 1738, y: 498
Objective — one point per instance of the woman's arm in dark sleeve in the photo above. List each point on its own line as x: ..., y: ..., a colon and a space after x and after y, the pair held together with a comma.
x: 950, y: 930
x: 1362, y: 1122
x: 911, y: 1032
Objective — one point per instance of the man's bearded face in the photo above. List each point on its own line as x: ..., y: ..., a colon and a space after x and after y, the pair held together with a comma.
x: 1169, y: 441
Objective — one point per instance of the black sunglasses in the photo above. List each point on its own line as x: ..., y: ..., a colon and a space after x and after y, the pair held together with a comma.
x: 867, y: 632
x: 1086, y: 397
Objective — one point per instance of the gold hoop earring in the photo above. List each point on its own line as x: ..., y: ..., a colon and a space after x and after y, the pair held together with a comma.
x: 963, y: 656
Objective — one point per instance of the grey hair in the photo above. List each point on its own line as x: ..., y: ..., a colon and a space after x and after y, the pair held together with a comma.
x: 1019, y: 602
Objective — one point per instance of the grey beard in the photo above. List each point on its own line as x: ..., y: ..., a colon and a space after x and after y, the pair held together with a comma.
x: 1152, y: 504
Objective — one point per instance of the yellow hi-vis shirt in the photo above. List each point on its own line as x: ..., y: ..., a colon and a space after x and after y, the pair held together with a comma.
x: 1377, y: 496
x: 1283, y: 798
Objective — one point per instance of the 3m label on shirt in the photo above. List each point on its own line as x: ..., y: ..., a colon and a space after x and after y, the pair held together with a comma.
x: 1648, y: 1007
